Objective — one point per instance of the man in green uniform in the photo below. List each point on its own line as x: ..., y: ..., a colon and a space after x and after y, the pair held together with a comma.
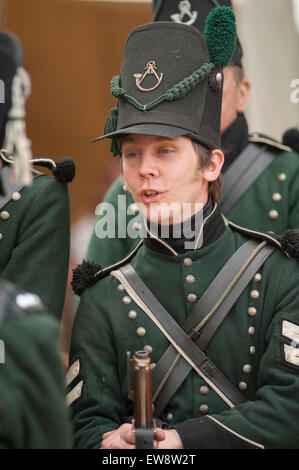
x: 32, y: 392
x: 260, y: 188
x: 219, y: 317
x: 34, y: 220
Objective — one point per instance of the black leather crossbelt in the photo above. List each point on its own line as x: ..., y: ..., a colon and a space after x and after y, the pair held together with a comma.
x: 198, y: 316
x: 183, y: 340
x: 243, y: 172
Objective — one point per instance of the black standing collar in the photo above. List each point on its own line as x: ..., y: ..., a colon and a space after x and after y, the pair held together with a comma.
x: 202, y: 229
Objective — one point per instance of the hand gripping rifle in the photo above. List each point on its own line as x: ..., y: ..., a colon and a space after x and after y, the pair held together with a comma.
x: 141, y: 395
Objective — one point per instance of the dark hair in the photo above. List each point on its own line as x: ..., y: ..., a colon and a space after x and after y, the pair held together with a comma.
x: 205, y: 154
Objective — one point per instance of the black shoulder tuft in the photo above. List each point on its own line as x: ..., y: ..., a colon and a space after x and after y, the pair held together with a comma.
x: 291, y: 139
x: 84, y: 276
x: 88, y: 273
x: 65, y: 170
x: 290, y: 243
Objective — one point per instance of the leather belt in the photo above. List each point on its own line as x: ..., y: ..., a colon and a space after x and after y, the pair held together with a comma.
x: 203, y: 335
x: 242, y: 173
x: 183, y: 353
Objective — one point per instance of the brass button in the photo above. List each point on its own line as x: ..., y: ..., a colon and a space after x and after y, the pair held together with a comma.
x: 247, y: 368
x: 252, y: 351
x: 252, y: 311
x: 133, y: 208
x: 132, y: 314
x: 242, y: 386
x: 120, y: 288
x: 16, y: 196
x: 153, y: 365
x: 126, y: 300
x: 137, y: 226
x: 281, y: 177
x: 169, y: 416
x: 258, y: 277
x: 204, y: 409
x: 148, y: 349
x: 254, y: 294
x: 191, y: 298
x: 187, y: 262
x: 190, y: 279
x: 276, y: 197
x: 273, y: 214
x: 4, y: 215
x: 1, y: 236
x: 204, y: 390
x: 251, y: 330
x: 141, y: 331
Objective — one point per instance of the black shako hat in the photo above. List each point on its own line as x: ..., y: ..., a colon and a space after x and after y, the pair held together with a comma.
x: 170, y: 83
x: 192, y: 13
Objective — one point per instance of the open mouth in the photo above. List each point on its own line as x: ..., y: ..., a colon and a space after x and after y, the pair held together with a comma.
x: 150, y: 195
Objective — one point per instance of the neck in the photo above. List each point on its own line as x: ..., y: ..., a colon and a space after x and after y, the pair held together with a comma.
x: 234, y: 140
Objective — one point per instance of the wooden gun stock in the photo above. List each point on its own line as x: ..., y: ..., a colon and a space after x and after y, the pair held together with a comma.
x: 143, y: 421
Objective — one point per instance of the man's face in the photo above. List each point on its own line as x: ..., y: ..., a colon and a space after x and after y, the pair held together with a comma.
x: 160, y: 171
x: 235, y: 97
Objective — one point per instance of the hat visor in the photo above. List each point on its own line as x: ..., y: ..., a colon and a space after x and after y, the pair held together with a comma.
x: 160, y: 130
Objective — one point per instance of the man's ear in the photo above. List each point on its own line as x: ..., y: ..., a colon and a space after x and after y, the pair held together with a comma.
x: 213, y: 169
x: 242, y: 95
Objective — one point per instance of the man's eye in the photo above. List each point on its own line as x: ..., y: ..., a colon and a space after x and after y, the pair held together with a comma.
x: 165, y: 150
x: 131, y: 154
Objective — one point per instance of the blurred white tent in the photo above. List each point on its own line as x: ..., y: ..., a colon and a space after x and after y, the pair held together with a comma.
x: 269, y: 33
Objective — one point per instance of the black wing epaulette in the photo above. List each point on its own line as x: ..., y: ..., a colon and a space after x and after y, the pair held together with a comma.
x: 287, y: 242
x: 291, y: 139
x: 64, y: 169
x: 88, y: 273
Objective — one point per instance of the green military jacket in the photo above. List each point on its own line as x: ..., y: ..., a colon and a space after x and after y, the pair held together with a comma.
x: 33, y: 412
x: 34, y: 240
x: 270, y: 204
x: 256, y: 348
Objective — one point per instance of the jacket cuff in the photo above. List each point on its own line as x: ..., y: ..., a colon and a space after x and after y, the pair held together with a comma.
x: 208, y: 433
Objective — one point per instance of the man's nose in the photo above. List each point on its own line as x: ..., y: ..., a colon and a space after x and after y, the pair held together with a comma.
x: 148, y: 166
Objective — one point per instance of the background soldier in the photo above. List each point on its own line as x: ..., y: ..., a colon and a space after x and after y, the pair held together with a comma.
x: 218, y: 379
x: 259, y: 174
x: 34, y: 221
x: 32, y: 391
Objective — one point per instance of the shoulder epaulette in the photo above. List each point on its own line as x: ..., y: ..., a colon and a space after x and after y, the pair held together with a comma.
x: 88, y: 273
x: 287, y: 242
x: 263, y: 139
x: 64, y: 169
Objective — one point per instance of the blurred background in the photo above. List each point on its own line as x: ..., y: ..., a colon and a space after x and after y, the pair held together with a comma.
x: 74, y: 47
